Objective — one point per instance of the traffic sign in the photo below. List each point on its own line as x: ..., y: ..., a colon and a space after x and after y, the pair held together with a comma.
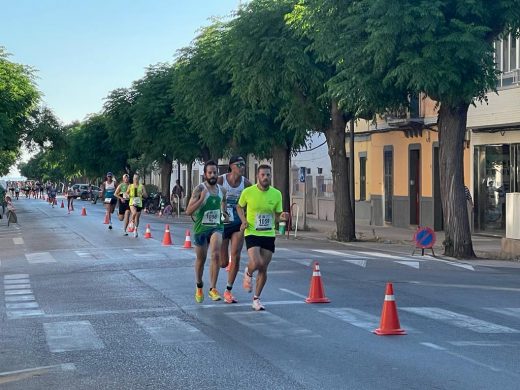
x: 424, y: 238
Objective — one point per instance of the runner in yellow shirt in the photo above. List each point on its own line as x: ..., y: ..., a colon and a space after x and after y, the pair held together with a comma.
x: 259, y: 208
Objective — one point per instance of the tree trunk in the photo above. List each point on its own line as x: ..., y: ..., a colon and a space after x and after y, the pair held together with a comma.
x: 281, y: 168
x: 189, y: 170
x: 166, y: 174
x: 335, y: 135
x: 452, y: 128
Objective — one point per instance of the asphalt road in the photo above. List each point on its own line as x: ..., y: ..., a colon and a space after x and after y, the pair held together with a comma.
x: 87, y: 308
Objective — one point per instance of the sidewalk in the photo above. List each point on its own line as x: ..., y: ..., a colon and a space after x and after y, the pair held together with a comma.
x: 389, y: 237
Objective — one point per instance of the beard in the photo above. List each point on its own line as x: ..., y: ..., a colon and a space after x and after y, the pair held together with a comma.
x: 212, y: 181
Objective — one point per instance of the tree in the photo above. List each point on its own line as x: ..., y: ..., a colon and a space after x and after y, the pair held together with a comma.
x: 18, y: 95
x: 441, y: 48
x: 275, y: 69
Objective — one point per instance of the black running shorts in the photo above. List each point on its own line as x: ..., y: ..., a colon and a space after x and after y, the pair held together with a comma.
x: 261, y: 241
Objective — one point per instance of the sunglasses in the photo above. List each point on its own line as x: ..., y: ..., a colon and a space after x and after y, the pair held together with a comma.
x: 240, y: 164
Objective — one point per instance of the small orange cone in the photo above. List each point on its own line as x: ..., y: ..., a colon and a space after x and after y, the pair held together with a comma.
x: 316, y: 291
x: 147, y: 233
x: 167, y: 238
x: 83, y: 212
x: 107, y: 220
x: 389, y: 324
x: 187, y: 241
x: 62, y: 205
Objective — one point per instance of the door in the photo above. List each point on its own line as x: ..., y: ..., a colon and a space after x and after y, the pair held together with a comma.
x: 389, y: 183
x: 414, y: 185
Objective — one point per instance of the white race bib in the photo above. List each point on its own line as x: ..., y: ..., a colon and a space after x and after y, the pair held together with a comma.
x: 231, y: 216
x: 136, y: 202
x: 108, y: 200
x: 263, y: 222
x: 211, y: 217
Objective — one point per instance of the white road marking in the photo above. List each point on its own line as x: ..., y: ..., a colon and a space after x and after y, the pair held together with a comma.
x: 459, y: 320
x: 304, y: 262
x: 382, y: 255
x: 293, y: 293
x: 334, y: 253
x: 434, y: 346
x: 18, y: 241
x: 359, y: 263
x: 270, y: 325
x: 413, y: 264
x: 18, y: 292
x: 470, y: 286
x: 40, y: 257
x: 508, y: 311
x: 71, y: 336
x: 13, y: 376
x: 461, y: 265
x: 243, y: 304
x: 354, y: 317
x: 17, y: 286
x: 171, y: 330
x: 22, y: 305
x: 16, y: 276
x: 483, y: 343
x: 15, y: 281
x: 19, y: 298
x: 16, y: 314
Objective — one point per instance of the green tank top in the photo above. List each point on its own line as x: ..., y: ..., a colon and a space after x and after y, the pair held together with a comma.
x: 207, y: 217
x: 123, y: 189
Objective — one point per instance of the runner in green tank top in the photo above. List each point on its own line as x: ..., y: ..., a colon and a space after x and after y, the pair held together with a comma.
x: 124, y: 207
x: 207, y: 207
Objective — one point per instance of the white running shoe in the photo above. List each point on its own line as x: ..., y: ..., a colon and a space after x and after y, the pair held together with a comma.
x: 136, y: 234
x: 257, y: 305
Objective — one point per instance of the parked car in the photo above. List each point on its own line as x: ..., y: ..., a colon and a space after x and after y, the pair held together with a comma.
x: 83, y: 192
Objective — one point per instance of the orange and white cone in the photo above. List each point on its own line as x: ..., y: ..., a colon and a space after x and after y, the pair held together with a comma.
x: 316, y: 290
x: 107, y: 219
x: 389, y: 324
x: 187, y: 241
x: 167, y: 238
x: 147, y: 233
x: 83, y: 212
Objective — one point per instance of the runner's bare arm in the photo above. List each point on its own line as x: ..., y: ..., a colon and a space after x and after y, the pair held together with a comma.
x: 118, y: 193
x: 197, y: 197
x: 223, y: 205
x: 242, y: 215
x: 220, y: 180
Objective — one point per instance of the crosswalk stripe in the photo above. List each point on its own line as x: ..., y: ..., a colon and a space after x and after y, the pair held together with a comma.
x: 270, y: 325
x: 8, y: 282
x: 40, y: 257
x: 16, y: 276
x: 354, y: 317
x: 360, y: 263
x: 18, y: 292
x: 16, y: 286
x: 508, y: 311
x: 304, y: 262
x: 459, y: 320
x: 413, y: 264
x: 20, y: 298
x: 335, y: 253
x: 16, y: 314
x: 171, y: 330
x: 18, y: 240
x: 71, y: 336
x: 382, y: 255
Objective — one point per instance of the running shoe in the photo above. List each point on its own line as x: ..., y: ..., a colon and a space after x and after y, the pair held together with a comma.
x: 110, y: 226
x: 228, y: 297
x: 257, y: 305
x: 136, y: 234
x: 214, y: 295
x: 125, y: 233
x: 199, y: 295
x: 246, y: 283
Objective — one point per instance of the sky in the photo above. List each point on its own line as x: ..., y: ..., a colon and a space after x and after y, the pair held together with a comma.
x: 83, y: 49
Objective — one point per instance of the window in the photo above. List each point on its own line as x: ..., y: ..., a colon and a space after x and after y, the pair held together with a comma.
x: 308, y: 171
x: 320, y: 171
x: 507, y: 60
x: 362, y: 178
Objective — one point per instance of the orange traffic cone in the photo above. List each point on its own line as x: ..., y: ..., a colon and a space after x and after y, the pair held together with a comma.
x: 316, y: 291
x: 167, y: 239
x: 389, y: 324
x: 187, y: 241
x: 62, y: 205
x: 147, y: 233
x: 107, y: 219
x: 83, y: 212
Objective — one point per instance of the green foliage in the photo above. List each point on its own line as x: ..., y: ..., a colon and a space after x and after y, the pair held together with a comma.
x: 18, y: 95
x: 7, y: 159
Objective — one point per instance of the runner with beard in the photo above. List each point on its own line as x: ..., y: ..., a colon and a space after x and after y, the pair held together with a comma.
x: 259, y: 208
x: 206, y: 206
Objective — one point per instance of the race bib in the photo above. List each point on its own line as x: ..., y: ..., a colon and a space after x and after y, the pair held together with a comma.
x: 108, y: 200
x: 211, y: 217
x: 231, y: 216
x: 263, y: 222
x: 136, y: 202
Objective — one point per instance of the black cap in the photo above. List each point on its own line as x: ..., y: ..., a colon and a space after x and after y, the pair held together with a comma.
x: 235, y: 159
x: 109, y: 174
